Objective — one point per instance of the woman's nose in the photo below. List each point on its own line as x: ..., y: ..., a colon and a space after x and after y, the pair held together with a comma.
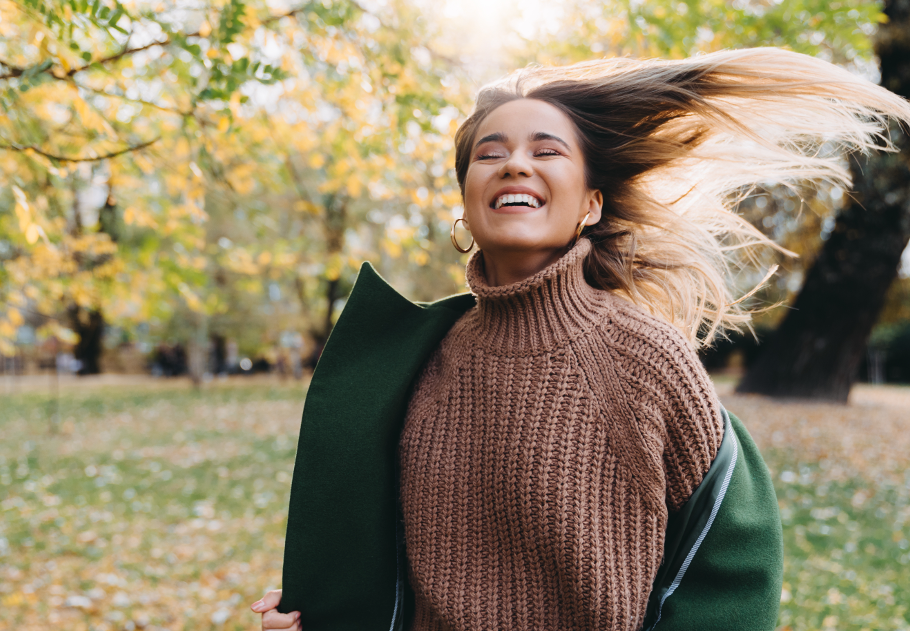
x: 518, y: 163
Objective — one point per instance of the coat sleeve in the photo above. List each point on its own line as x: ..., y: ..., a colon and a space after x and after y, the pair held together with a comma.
x: 723, y: 561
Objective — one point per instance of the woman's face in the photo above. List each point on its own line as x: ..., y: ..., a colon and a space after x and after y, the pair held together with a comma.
x: 525, y: 185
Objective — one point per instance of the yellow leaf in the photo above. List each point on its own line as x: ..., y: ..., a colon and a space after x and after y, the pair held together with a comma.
x: 205, y: 29
x: 251, y: 20
x: 223, y: 124
x: 32, y: 232
x: 316, y: 160
x: 143, y: 163
x: 392, y: 249
x: 15, y: 317
x: 304, y: 206
x: 89, y: 117
x: 353, y: 185
x: 264, y: 258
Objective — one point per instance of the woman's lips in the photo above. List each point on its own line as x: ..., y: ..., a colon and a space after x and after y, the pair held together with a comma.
x: 515, y: 210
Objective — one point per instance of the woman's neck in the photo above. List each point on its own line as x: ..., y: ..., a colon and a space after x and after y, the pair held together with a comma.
x: 538, y: 312
x: 509, y: 267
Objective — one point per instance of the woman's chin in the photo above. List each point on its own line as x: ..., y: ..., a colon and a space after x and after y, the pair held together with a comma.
x: 519, y: 242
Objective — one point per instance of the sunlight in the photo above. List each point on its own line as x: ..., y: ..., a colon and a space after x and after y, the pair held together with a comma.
x: 483, y: 32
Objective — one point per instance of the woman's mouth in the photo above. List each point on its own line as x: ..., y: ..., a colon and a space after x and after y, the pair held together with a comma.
x: 517, y: 200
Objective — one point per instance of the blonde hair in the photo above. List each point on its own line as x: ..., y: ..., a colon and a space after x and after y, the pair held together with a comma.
x: 675, y: 145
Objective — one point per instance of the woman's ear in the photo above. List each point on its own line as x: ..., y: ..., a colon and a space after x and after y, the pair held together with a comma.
x: 594, y: 205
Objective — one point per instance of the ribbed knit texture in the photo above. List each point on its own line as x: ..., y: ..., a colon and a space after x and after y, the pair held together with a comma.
x: 544, y: 441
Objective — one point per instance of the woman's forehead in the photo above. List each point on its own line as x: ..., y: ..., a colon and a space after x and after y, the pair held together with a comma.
x: 522, y: 118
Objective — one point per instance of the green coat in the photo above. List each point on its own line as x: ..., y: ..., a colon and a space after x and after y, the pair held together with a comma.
x: 344, y: 562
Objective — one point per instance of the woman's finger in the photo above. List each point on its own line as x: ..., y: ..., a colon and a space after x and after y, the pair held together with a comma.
x: 269, y: 601
x: 273, y: 620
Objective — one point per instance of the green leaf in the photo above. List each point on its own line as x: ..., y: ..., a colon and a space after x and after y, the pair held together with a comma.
x: 112, y: 22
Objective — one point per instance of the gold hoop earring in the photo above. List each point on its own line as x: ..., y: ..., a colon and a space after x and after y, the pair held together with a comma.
x: 581, y: 226
x: 455, y: 243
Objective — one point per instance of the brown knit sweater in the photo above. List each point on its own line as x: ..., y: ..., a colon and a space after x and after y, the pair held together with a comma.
x: 544, y: 442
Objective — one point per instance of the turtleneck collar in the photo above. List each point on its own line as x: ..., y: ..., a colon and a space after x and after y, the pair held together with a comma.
x: 534, y: 314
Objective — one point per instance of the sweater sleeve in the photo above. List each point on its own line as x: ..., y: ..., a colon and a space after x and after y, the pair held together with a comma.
x: 673, y: 396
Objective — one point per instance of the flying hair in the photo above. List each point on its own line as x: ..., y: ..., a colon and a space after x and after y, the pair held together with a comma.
x: 674, y: 146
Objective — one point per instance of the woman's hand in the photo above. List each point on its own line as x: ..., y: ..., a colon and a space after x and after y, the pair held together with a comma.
x: 271, y: 619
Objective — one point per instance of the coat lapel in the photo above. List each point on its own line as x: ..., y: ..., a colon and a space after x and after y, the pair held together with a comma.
x: 341, y: 565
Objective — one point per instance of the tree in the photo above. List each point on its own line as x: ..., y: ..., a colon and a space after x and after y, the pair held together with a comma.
x: 88, y: 92
x: 241, y: 150
x: 817, y: 349
x: 223, y: 168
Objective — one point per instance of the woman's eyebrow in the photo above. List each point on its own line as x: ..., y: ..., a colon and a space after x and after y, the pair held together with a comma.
x: 542, y: 135
x: 496, y: 137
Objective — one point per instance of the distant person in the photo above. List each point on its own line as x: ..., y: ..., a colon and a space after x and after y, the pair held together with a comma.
x: 558, y: 453
x: 169, y: 360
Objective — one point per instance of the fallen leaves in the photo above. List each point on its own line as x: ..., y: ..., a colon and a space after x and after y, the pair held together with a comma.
x: 166, y: 512
x: 842, y: 482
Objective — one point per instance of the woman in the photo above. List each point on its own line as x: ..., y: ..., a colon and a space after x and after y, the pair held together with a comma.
x: 559, y: 454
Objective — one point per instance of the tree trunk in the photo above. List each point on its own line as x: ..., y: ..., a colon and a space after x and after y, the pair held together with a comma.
x: 816, y: 351
x: 331, y: 295
x: 89, y: 326
x: 335, y: 225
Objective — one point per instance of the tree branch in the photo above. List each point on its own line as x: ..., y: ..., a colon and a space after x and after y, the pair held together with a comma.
x: 12, y: 72
x: 15, y: 71
x: 123, y: 53
x: 123, y: 97
x: 15, y: 147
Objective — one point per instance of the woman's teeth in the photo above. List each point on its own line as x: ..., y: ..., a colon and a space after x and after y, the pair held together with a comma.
x: 517, y: 200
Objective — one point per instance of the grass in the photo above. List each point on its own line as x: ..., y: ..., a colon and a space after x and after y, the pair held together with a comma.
x: 843, y: 487
x: 166, y: 507
x: 147, y: 509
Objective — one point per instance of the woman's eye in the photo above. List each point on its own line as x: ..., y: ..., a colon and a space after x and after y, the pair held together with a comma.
x: 488, y: 156
x: 548, y: 152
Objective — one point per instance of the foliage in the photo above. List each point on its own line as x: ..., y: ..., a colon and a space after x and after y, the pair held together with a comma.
x: 836, y: 31
x: 195, y: 160
x: 224, y: 168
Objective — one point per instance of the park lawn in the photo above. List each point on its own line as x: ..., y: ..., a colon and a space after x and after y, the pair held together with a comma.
x: 166, y: 507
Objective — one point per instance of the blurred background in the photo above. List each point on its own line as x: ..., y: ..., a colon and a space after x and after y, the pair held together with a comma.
x: 188, y: 190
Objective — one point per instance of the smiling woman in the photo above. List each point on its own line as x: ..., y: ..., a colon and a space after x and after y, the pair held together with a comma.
x: 556, y: 450
x: 525, y: 189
